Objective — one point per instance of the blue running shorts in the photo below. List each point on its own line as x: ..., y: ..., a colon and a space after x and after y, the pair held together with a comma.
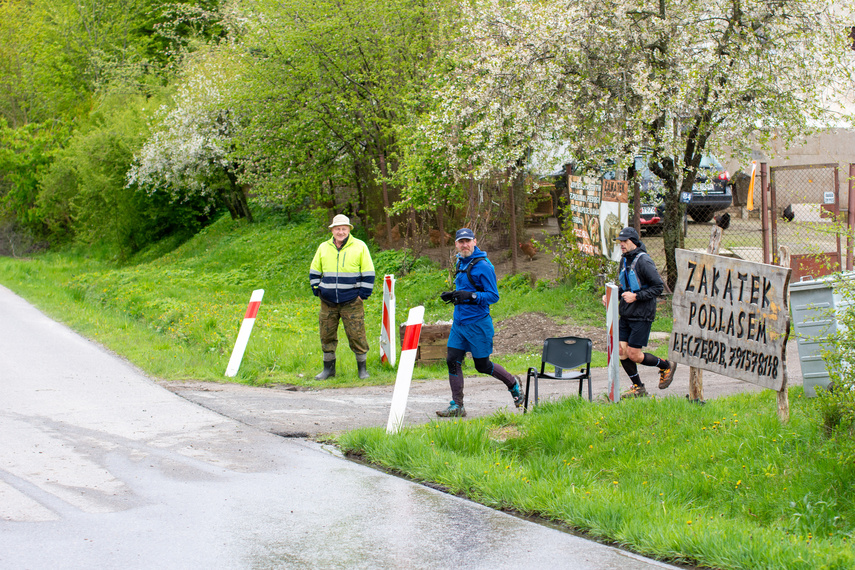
x: 475, y: 338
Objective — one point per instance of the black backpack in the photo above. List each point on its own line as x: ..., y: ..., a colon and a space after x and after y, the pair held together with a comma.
x: 469, y: 272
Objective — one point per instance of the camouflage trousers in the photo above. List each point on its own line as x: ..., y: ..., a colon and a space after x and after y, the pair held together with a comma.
x: 353, y: 317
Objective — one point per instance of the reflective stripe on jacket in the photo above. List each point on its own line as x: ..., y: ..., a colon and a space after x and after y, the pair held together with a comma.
x: 340, y: 275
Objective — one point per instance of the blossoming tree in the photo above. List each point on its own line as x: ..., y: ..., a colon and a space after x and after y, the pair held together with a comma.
x: 191, y: 152
x: 675, y: 78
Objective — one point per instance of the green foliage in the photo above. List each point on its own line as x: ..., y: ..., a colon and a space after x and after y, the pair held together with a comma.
x: 837, y: 405
x: 724, y: 485
x: 83, y: 196
x: 24, y: 153
x: 515, y: 282
x: 425, y: 175
x: 323, y: 89
x: 67, y: 68
x: 400, y: 262
x: 574, y: 265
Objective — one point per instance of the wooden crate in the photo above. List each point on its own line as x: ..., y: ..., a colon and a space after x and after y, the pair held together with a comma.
x: 432, y: 343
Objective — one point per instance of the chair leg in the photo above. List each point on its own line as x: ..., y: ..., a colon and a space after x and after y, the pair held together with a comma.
x: 527, y: 384
x: 532, y: 373
x: 590, y: 389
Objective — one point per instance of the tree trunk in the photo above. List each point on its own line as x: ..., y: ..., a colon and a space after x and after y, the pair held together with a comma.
x: 512, y: 204
x: 440, y: 221
x: 235, y: 198
x: 381, y: 158
x: 672, y: 234
x: 473, y: 203
x: 360, y: 194
x: 636, y: 205
x: 413, y: 231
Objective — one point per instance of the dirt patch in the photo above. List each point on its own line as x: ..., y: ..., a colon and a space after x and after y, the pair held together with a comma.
x: 525, y: 333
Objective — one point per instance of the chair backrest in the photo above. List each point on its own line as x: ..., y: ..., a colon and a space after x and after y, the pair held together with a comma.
x: 567, y: 352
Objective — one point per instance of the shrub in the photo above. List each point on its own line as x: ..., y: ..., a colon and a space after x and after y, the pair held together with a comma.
x: 837, y: 404
x: 574, y: 266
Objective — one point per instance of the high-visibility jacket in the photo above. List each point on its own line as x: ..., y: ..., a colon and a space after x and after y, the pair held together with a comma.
x: 340, y: 275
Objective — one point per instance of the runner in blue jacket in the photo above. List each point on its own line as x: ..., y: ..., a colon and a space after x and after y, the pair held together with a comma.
x: 472, y: 328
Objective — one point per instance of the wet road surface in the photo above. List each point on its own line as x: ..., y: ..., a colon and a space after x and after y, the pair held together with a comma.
x: 102, y: 467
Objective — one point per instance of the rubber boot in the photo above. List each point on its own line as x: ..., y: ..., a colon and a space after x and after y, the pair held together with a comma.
x: 328, y: 371
x: 362, y: 369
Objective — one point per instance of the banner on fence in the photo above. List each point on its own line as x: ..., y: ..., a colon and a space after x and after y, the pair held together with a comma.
x: 731, y: 317
x: 599, y: 210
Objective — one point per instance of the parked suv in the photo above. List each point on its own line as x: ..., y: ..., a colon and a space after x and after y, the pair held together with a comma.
x: 711, y: 193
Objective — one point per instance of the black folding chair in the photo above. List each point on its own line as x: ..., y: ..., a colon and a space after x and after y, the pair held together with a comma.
x: 563, y: 353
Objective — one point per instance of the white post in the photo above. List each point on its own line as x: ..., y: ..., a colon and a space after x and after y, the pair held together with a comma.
x: 409, y: 348
x: 612, y: 317
x: 244, y: 332
x: 388, y: 343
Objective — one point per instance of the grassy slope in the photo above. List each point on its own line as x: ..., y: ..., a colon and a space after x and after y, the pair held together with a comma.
x: 175, y: 311
x: 725, y: 485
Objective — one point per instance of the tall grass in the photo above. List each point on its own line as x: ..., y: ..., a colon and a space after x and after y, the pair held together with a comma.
x: 174, y: 310
x: 724, y: 485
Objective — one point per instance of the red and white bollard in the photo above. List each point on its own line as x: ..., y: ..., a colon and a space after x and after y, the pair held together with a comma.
x: 388, y: 344
x: 613, y: 353
x: 409, y: 348
x: 244, y: 332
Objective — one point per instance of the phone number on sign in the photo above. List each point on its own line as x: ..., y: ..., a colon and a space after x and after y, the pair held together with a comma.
x: 717, y: 352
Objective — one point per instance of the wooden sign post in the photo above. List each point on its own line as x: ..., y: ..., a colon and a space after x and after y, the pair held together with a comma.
x: 783, y: 395
x: 731, y: 317
x: 696, y: 375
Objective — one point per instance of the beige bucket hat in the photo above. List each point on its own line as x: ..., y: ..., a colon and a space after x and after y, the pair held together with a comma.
x: 341, y: 220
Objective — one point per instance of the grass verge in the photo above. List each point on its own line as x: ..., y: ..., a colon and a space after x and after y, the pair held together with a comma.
x: 175, y: 309
x: 724, y: 485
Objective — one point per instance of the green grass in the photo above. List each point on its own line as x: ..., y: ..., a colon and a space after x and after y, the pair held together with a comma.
x: 175, y: 309
x: 725, y: 485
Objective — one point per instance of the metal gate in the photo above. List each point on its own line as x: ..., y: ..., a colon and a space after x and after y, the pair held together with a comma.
x: 800, y: 207
x: 804, y: 214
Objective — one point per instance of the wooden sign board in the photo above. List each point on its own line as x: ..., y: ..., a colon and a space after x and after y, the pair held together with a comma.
x: 731, y: 317
x: 599, y: 211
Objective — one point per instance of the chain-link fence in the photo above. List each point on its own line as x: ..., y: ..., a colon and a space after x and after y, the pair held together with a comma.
x: 805, y: 216
x: 804, y: 212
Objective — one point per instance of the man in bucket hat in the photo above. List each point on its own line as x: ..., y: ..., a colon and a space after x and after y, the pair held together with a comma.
x: 472, y: 327
x: 639, y: 287
x: 342, y: 275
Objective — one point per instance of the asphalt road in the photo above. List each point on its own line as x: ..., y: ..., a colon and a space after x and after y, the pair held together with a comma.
x: 100, y: 467
x: 312, y: 413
